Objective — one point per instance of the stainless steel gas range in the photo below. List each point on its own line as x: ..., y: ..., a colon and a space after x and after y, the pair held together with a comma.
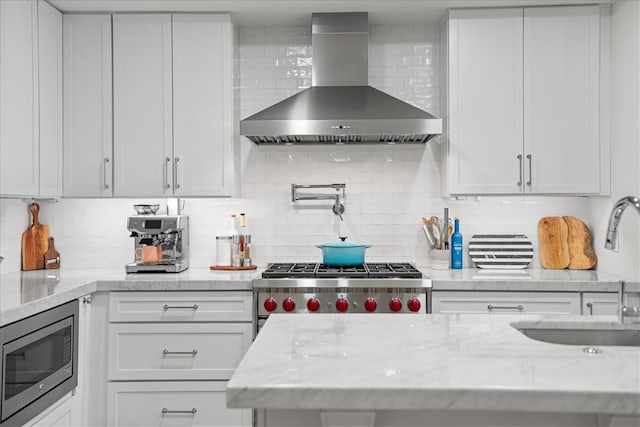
x: 319, y: 288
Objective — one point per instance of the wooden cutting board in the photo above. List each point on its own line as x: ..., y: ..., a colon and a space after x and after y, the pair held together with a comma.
x: 35, y: 242
x: 581, y: 253
x: 553, y: 234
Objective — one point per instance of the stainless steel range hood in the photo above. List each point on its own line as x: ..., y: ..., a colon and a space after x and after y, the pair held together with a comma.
x: 340, y: 107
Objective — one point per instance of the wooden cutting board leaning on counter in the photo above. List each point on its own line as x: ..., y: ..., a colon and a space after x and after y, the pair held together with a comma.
x: 565, y: 242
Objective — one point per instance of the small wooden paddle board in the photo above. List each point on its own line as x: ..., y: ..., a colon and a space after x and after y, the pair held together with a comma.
x: 581, y: 253
x: 35, y: 242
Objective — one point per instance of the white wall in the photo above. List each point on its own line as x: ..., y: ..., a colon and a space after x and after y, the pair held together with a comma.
x: 388, y: 187
x: 625, y: 142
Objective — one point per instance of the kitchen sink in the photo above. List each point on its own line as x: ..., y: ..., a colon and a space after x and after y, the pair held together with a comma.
x: 590, y: 337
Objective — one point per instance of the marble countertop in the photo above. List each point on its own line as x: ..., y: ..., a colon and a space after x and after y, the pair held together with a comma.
x: 26, y: 293
x: 425, y: 362
x: 533, y: 279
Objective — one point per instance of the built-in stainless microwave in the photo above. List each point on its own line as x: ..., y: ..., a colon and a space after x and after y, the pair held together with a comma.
x: 39, y: 362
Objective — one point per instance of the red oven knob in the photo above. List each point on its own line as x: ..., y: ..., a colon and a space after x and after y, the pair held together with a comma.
x: 342, y: 305
x: 270, y: 304
x: 395, y: 305
x: 370, y: 305
x: 414, y: 304
x: 313, y: 304
x: 289, y: 304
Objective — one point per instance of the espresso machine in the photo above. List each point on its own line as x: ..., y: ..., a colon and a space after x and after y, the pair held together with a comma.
x: 161, y: 243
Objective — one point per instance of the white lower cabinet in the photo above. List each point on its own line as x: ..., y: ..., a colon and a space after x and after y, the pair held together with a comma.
x: 170, y: 355
x: 167, y: 404
x: 505, y: 302
x: 599, y: 303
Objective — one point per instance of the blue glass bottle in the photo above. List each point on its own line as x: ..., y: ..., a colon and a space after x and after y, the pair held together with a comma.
x: 456, y: 247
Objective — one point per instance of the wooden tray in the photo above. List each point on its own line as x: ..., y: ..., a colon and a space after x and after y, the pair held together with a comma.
x: 232, y: 268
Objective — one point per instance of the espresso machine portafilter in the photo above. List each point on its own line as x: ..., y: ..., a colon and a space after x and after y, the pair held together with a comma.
x: 161, y: 243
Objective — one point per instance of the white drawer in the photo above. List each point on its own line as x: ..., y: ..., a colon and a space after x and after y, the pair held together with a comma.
x: 506, y: 302
x: 178, y: 351
x: 174, y: 306
x: 142, y: 404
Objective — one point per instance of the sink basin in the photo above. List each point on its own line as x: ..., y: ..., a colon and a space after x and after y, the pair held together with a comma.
x: 590, y: 337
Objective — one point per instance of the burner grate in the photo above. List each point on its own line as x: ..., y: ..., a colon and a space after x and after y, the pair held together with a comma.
x: 369, y: 270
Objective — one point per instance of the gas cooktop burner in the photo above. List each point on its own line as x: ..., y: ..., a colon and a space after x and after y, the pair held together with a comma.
x: 366, y: 271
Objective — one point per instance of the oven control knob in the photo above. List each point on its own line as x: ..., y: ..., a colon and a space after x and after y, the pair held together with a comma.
x: 313, y: 304
x: 370, y: 305
x: 270, y: 304
x: 414, y: 304
x: 289, y: 304
x: 342, y: 305
x: 395, y: 305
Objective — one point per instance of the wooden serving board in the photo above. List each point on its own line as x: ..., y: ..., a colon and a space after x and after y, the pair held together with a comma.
x: 232, y: 268
x: 581, y: 253
x: 553, y: 234
x: 35, y: 242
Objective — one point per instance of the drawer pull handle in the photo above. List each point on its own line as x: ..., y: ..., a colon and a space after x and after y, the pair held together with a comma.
x: 190, y: 411
x: 590, y: 306
x: 518, y: 307
x: 180, y: 307
x: 192, y: 352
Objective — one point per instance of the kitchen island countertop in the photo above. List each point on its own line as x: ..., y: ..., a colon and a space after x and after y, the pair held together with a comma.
x: 431, y: 362
x: 25, y: 293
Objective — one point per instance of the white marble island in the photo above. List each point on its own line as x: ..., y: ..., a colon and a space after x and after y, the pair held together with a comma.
x: 431, y: 370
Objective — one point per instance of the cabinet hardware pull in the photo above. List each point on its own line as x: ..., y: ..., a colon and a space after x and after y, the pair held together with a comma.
x: 192, y: 352
x: 590, y: 308
x: 175, y: 173
x: 191, y: 411
x: 518, y: 307
x: 86, y: 300
x: 529, y: 158
x: 166, y: 172
x: 519, y: 157
x: 180, y: 307
x: 104, y: 173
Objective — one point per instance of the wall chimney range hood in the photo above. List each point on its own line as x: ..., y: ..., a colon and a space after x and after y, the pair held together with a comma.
x: 340, y: 107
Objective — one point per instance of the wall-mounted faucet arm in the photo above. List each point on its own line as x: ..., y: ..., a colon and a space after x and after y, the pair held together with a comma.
x: 614, y: 219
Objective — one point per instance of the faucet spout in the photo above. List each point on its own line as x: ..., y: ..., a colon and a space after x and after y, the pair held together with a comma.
x: 614, y: 219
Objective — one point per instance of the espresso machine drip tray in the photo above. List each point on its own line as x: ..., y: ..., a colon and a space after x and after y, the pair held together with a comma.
x: 161, y: 243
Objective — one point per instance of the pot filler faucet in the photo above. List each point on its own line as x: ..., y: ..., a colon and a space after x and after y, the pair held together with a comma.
x: 338, y: 206
x: 614, y: 219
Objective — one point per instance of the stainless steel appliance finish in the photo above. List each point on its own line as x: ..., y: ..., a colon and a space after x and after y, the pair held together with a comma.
x: 340, y: 108
x: 39, y: 362
x: 171, y: 232
x: 317, y: 288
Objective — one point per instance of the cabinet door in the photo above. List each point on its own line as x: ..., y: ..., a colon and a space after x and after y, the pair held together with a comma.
x: 88, y: 146
x: 19, y: 168
x: 50, y: 94
x: 142, y: 105
x: 599, y: 303
x: 561, y: 99
x: 196, y: 403
x: 202, y: 105
x: 60, y: 414
x: 506, y: 302
x: 186, y: 351
x: 485, y: 101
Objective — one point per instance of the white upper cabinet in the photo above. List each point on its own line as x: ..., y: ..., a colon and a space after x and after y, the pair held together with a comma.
x: 173, y: 110
x: 30, y: 99
x: 561, y: 99
x: 202, y: 109
x: 485, y: 100
x: 524, y: 101
x: 30, y: 132
x: 88, y: 142
x: 50, y: 105
x: 142, y: 105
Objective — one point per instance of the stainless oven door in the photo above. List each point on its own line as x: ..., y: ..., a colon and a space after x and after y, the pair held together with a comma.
x: 38, y: 366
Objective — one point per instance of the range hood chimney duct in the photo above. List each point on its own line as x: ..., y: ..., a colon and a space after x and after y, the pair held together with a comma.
x: 340, y: 107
